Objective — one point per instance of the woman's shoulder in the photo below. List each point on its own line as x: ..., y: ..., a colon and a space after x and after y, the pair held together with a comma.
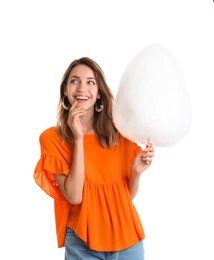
x: 50, y: 133
x: 128, y: 144
x: 51, y: 129
x: 51, y: 141
x: 124, y: 139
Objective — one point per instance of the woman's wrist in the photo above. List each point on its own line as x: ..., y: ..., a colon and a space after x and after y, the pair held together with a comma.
x: 78, y: 140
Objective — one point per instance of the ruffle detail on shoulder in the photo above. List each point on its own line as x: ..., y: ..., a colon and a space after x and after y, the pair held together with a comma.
x: 43, y: 175
x: 137, y: 150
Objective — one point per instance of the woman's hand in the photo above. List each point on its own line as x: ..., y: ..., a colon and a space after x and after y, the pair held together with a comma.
x: 74, y: 122
x: 143, y: 160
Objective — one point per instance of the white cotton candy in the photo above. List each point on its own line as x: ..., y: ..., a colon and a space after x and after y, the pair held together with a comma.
x: 152, y: 101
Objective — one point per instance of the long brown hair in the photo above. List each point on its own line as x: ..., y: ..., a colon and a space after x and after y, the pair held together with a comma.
x: 104, y: 127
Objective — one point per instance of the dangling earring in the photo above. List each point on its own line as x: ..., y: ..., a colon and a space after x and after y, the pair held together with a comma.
x: 65, y: 103
x: 99, y: 105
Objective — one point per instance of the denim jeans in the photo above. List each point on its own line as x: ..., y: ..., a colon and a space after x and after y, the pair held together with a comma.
x: 76, y: 249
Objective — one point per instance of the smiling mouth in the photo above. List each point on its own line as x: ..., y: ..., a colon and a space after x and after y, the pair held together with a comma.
x: 81, y: 98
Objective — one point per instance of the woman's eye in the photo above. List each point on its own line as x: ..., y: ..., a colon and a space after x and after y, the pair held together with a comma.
x: 91, y: 83
x: 73, y: 81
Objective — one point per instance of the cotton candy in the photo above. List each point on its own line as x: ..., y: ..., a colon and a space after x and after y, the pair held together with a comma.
x: 152, y: 101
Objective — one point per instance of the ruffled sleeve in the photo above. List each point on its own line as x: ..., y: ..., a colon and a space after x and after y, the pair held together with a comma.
x: 136, y: 149
x: 129, y: 150
x: 55, y: 159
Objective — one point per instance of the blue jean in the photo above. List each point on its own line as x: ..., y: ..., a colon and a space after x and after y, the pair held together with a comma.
x: 76, y: 249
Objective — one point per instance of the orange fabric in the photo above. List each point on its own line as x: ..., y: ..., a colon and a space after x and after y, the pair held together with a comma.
x: 106, y: 219
x: 56, y: 157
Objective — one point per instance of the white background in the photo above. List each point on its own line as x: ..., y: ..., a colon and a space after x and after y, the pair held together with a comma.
x: 38, y: 41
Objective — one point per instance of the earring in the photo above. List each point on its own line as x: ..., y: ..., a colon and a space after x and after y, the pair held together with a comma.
x: 65, y: 103
x: 99, y: 105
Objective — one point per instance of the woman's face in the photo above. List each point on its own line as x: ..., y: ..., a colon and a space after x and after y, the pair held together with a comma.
x: 82, y: 87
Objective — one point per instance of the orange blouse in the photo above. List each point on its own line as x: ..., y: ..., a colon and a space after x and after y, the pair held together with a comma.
x: 106, y: 219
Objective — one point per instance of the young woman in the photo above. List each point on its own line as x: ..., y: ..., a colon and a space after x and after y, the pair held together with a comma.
x: 92, y: 171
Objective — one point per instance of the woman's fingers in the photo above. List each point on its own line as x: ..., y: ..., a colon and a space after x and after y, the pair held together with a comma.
x: 149, y: 153
x: 76, y: 111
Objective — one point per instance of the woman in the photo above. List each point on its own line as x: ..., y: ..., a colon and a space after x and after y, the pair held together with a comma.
x: 92, y: 171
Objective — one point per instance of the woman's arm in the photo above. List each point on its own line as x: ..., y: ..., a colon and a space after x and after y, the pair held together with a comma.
x: 133, y: 184
x: 141, y: 162
x: 72, y: 185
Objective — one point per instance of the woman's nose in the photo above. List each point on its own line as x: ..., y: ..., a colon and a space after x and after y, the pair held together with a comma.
x: 81, y: 87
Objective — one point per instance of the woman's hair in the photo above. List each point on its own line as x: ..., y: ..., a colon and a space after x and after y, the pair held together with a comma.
x: 103, y: 125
